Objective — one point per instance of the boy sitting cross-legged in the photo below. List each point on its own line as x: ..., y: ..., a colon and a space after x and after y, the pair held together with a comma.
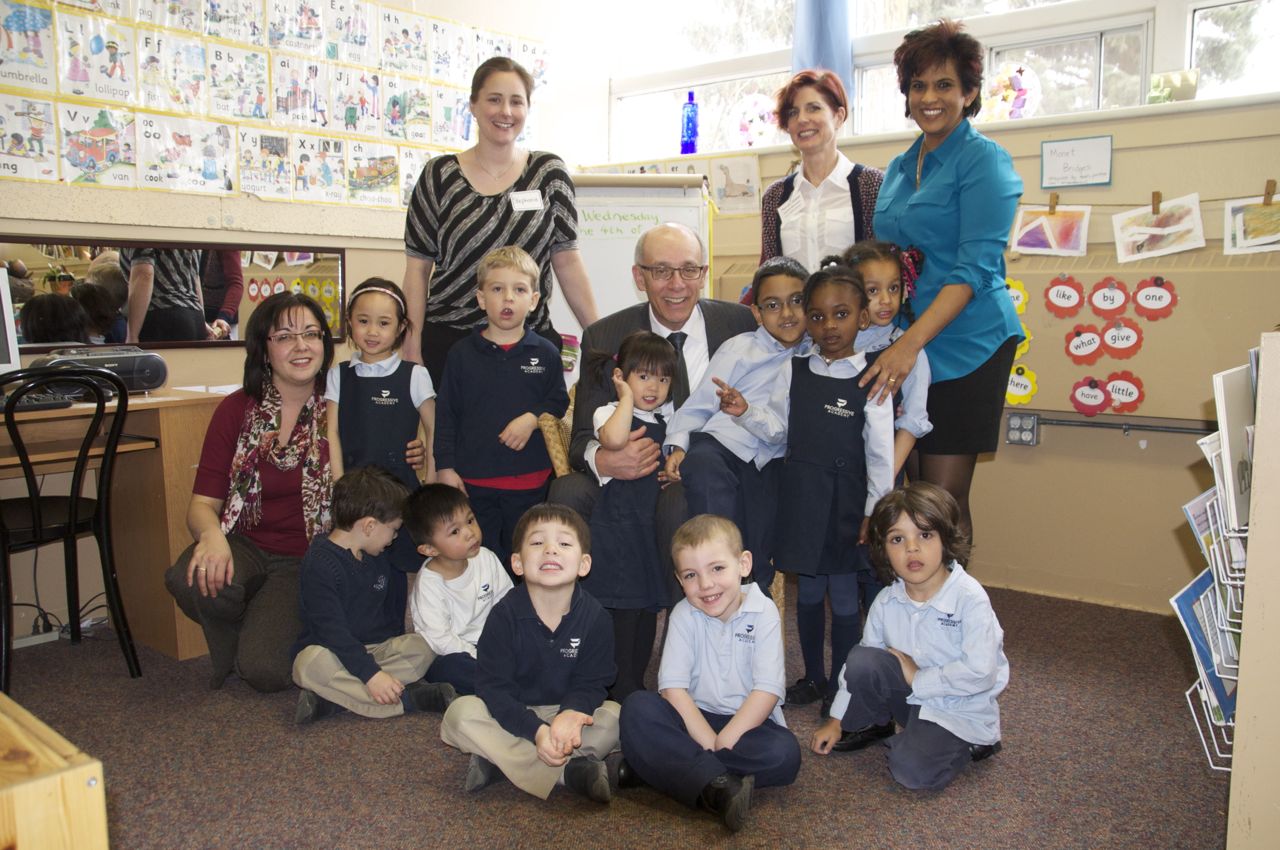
x: 544, y: 662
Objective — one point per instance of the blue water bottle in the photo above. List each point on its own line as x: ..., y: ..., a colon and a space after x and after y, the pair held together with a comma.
x: 689, y: 127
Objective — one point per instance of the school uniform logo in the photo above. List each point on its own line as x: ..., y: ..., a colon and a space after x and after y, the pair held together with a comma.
x: 385, y: 399
x: 570, y: 651
x: 381, y: 583
x: 949, y: 621
x: 746, y: 635
x: 841, y: 409
x: 533, y: 367
x: 485, y: 593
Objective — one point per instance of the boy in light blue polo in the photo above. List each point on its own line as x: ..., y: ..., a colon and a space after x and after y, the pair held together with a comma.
x: 716, y: 728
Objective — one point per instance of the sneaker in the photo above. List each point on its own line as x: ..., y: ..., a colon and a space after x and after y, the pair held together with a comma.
x: 481, y: 773
x: 589, y: 777
x: 312, y: 706
x: 803, y: 692
x: 428, y: 696
x: 862, y: 738
x: 978, y: 752
x: 729, y: 796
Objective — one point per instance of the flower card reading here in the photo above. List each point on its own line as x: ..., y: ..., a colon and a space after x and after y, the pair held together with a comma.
x: 1022, y: 386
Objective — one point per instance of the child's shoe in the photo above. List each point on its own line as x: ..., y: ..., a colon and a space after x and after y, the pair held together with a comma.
x: 589, y: 777
x: 978, y: 752
x: 729, y: 796
x: 481, y: 773
x: 803, y: 692
x: 627, y: 776
x: 312, y: 706
x: 427, y: 696
x: 862, y: 738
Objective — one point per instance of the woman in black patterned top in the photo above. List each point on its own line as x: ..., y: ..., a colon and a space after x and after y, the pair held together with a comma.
x: 491, y: 195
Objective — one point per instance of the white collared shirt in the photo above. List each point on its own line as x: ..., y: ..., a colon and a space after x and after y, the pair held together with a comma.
x: 817, y: 221
x: 420, y: 387
x: 605, y: 411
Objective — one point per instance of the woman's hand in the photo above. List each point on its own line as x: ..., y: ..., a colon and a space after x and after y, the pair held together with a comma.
x: 890, y: 370
x: 211, y: 568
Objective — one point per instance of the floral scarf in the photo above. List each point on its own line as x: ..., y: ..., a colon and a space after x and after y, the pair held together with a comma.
x: 257, y: 444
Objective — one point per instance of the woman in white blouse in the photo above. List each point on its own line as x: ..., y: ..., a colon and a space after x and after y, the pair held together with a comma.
x: 828, y: 204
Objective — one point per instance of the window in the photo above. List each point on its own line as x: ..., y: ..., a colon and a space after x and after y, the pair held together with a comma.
x: 1094, y: 71
x: 873, y: 16
x: 1237, y: 48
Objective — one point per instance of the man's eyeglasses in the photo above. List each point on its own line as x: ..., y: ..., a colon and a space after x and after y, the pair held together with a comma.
x: 773, y: 305
x: 665, y: 272
x: 286, y: 337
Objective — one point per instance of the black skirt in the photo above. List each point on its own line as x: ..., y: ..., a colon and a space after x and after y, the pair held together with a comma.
x: 966, y: 411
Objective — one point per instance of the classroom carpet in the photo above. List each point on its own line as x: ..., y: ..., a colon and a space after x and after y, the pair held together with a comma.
x: 1099, y: 752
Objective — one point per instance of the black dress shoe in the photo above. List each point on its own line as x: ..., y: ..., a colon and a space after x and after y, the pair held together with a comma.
x: 803, y: 692
x: 825, y: 711
x: 481, y: 773
x: 862, y: 738
x: 312, y: 707
x: 427, y: 696
x: 589, y: 777
x: 627, y: 776
x: 729, y: 796
x: 983, y: 751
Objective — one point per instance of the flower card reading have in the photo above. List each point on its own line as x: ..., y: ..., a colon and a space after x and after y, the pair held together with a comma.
x: 99, y: 146
x: 96, y: 58
x: 1089, y: 396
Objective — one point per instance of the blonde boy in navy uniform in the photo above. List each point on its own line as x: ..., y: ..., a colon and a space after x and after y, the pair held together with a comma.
x: 496, y: 383
x: 717, y: 729
x: 545, y: 662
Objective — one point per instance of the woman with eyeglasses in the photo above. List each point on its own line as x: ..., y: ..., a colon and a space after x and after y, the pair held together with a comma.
x: 827, y: 204
x: 491, y: 195
x: 261, y: 494
x: 952, y: 195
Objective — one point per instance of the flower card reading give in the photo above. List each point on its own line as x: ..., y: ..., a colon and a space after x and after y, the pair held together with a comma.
x: 1084, y: 345
x: 1109, y: 297
x: 1122, y: 338
x: 1090, y: 396
x: 1064, y: 297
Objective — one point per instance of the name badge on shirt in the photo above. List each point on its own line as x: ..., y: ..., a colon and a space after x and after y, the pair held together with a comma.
x: 526, y: 201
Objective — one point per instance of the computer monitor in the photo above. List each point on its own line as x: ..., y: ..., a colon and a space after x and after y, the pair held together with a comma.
x: 9, y: 359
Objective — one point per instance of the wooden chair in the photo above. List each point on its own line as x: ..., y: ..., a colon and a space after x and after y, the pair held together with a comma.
x: 35, y: 520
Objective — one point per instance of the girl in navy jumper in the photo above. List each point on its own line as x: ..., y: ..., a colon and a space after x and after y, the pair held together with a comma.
x: 839, y: 461
x: 377, y: 401
x: 627, y: 577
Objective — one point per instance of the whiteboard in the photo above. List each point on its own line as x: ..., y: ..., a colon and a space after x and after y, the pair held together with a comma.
x: 610, y: 220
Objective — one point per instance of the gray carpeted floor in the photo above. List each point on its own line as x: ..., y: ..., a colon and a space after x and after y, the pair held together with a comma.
x: 1099, y: 751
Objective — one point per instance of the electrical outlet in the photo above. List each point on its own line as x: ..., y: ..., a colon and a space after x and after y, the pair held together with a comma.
x: 1023, y: 429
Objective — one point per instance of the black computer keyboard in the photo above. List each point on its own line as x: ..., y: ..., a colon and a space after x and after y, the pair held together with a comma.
x: 42, y: 401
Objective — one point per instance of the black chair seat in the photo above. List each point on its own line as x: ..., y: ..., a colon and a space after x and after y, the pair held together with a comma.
x: 55, y: 511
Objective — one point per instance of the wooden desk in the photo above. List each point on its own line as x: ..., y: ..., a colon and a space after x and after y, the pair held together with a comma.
x: 149, y: 498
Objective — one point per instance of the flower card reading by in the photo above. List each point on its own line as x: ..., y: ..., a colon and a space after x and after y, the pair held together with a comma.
x: 1109, y: 297
x: 96, y: 58
x: 27, y: 49
x: 28, y: 150
x: 99, y: 146
x: 319, y: 168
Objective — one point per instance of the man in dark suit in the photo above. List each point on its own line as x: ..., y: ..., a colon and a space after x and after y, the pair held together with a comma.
x: 670, y: 268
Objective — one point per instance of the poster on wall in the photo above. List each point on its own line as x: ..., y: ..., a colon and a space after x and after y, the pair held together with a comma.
x: 96, y: 58
x: 412, y: 161
x: 393, y: 126
x: 185, y: 154
x: 533, y: 56
x: 490, y: 44
x: 99, y: 147
x: 172, y: 70
x: 172, y: 14
x: 452, y: 58
x: 29, y: 150
x: 450, y: 117
x: 300, y: 91
x: 235, y: 20
x: 353, y: 32
x: 297, y: 26
x: 357, y: 99
x: 735, y: 184
x: 115, y: 8
x: 373, y: 179
x: 27, y: 49
x: 415, y: 106
x: 265, y: 167
x: 238, y: 86
x: 319, y: 168
x: 404, y: 42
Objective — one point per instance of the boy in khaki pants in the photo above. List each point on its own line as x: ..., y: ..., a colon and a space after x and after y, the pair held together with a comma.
x: 545, y: 661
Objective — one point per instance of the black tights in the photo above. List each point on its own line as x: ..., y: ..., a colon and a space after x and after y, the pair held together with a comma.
x: 953, y: 473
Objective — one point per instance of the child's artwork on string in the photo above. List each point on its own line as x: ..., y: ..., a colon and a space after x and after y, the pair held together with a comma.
x: 301, y: 91
x: 374, y: 176
x: 185, y: 154
x: 735, y: 184
x: 99, y: 147
x: 265, y: 167
x: 451, y: 117
x: 1061, y: 233
x: 96, y: 58
x: 238, y: 86
x: 318, y: 168
x: 235, y: 20
x: 353, y: 32
x: 404, y: 42
x: 183, y: 15
x: 297, y: 25
x: 357, y: 99
x: 27, y: 49
x: 452, y: 54
x: 412, y: 161
x: 172, y: 71
x: 28, y: 150
x: 1142, y: 232
x: 1250, y: 226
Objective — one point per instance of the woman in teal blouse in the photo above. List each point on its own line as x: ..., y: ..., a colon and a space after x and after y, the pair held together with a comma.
x: 953, y: 195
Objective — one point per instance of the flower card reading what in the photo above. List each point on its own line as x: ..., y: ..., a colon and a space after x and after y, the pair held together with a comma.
x: 185, y: 155
x: 28, y: 150
x: 99, y: 147
x: 319, y: 168
x: 1090, y: 397
x: 238, y: 86
x: 26, y: 51
x: 1017, y: 293
x: 96, y: 58
x: 1155, y: 298
x: 1022, y: 386
x: 1084, y: 345
x: 1126, y: 391
x: 1122, y: 338
x: 296, y: 25
x: 404, y: 42
x: 374, y: 179
x: 1109, y: 297
x: 235, y: 20
x: 172, y: 70
x: 265, y: 167
x: 1064, y: 296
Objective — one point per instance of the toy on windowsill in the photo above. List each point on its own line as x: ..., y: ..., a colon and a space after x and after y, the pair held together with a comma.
x: 1013, y: 92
